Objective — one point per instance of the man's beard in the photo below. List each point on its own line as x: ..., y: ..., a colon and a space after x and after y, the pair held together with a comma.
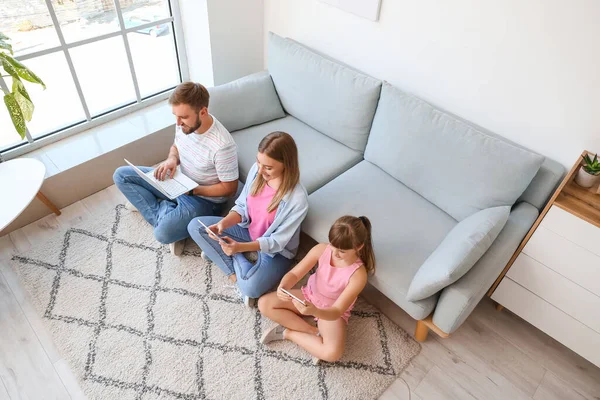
x: 189, y: 129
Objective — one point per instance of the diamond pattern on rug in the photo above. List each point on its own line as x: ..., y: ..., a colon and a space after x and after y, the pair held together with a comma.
x: 133, y: 264
x: 228, y: 373
x: 371, y: 352
x: 182, y: 360
x: 86, y: 254
x: 184, y: 273
x: 118, y: 355
x: 289, y: 371
x: 230, y: 324
x: 127, y: 306
x: 63, y: 303
x: 136, y: 322
x: 179, y: 316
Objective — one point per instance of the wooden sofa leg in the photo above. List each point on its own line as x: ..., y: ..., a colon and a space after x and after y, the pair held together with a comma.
x: 426, y: 325
x: 421, y: 331
x: 499, y: 307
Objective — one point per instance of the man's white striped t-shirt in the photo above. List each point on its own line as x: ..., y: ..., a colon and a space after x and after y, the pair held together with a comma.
x: 208, y: 158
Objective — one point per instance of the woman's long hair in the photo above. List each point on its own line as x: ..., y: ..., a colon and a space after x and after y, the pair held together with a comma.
x: 350, y: 232
x: 279, y: 146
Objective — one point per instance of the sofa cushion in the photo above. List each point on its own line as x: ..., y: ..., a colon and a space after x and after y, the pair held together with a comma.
x: 335, y: 100
x: 458, y: 252
x: 321, y: 158
x: 457, y: 301
x: 406, y: 227
x: 247, y: 101
x: 446, y: 160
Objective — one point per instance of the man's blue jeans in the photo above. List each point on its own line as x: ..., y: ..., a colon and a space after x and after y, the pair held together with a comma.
x: 169, y: 218
x: 254, y: 280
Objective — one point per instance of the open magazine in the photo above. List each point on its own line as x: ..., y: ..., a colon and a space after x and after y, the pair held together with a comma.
x: 172, y: 187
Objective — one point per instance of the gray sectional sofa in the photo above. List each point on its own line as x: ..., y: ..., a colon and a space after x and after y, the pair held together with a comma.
x: 368, y: 148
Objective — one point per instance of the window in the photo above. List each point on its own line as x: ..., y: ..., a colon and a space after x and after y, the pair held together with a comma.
x: 97, y: 57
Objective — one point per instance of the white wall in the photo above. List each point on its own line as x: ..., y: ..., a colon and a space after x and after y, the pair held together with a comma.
x: 223, y: 39
x: 528, y: 70
x: 194, y: 22
x: 236, y: 35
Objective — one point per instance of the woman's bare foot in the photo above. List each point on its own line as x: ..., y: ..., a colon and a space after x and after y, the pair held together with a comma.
x: 233, y: 278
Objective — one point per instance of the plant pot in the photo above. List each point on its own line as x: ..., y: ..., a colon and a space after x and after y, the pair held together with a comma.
x: 585, y: 179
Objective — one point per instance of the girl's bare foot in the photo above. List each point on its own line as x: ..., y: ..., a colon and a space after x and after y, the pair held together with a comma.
x: 275, y: 333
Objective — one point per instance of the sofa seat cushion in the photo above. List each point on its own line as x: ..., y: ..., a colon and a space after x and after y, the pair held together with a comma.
x: 321, y: 158
x: 406, y: 227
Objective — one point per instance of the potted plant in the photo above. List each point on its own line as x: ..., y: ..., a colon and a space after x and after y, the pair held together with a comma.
x: 589, y: 173
x: 17, y: 101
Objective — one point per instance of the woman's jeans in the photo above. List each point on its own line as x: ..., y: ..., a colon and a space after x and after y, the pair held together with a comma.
x: 169, y: 218
x: 254, y: 280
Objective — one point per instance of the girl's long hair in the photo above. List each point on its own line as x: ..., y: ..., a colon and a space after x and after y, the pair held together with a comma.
x: 279, y: 146
x: 350, y: 232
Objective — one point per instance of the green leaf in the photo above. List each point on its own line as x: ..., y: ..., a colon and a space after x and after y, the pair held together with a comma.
x: 8, y: 68
x: 6, y: 46
x: 22, y: 70
x: 15, y: 114
x: 592, y: 166
x: 18, y: 86
x: 23, y: 99
x: 26, y: 106
x: 28, y: 75
x: 3, y: 36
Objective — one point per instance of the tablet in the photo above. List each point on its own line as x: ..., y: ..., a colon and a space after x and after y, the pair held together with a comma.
x: 293, y: 297
x: 211, y: 233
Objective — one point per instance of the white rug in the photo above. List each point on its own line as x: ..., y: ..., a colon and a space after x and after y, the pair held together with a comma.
x: 136, y: 322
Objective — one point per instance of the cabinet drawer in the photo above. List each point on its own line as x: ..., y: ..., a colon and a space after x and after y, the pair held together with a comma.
x: 573, y: 228
x: 557, y: 290
x: 549, y: 319
x: 565, y: 257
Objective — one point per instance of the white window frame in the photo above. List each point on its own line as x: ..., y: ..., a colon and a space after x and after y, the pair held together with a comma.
x: 175, y: 19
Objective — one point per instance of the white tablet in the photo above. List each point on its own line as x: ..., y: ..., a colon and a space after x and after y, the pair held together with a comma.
x: 293, y: 297
x: 211, y: 233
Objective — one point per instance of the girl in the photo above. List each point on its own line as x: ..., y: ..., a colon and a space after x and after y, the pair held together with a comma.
x: 330, y: 293
x: 266, y: 219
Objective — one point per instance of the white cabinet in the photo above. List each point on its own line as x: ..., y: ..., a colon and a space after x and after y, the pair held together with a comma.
x: 553, y: 280
x: 548, y: 318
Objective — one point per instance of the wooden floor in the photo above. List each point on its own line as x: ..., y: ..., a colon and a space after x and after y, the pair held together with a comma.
x: 494, y: 355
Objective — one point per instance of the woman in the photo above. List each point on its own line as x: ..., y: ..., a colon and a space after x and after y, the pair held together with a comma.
x: 266, y: 219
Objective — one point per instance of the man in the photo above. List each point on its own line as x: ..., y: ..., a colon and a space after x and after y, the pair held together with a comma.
x: 205, y: 152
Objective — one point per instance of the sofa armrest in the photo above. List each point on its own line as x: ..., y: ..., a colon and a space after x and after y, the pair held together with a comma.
x: 458, y: 300
x: 247, y: 101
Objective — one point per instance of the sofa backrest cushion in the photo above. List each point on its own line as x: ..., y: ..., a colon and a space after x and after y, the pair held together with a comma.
x: 445, y: 159
x: 331, y: 98
x: 247, y: 101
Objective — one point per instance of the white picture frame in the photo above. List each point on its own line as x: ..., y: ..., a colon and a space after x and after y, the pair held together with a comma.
x: 368, y: 9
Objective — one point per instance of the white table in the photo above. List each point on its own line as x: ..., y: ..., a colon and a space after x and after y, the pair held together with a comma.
x: 20, y: 182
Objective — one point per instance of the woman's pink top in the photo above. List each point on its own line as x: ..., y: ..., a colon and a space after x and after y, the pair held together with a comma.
x: 327, y: 284
x: 260, y: 219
